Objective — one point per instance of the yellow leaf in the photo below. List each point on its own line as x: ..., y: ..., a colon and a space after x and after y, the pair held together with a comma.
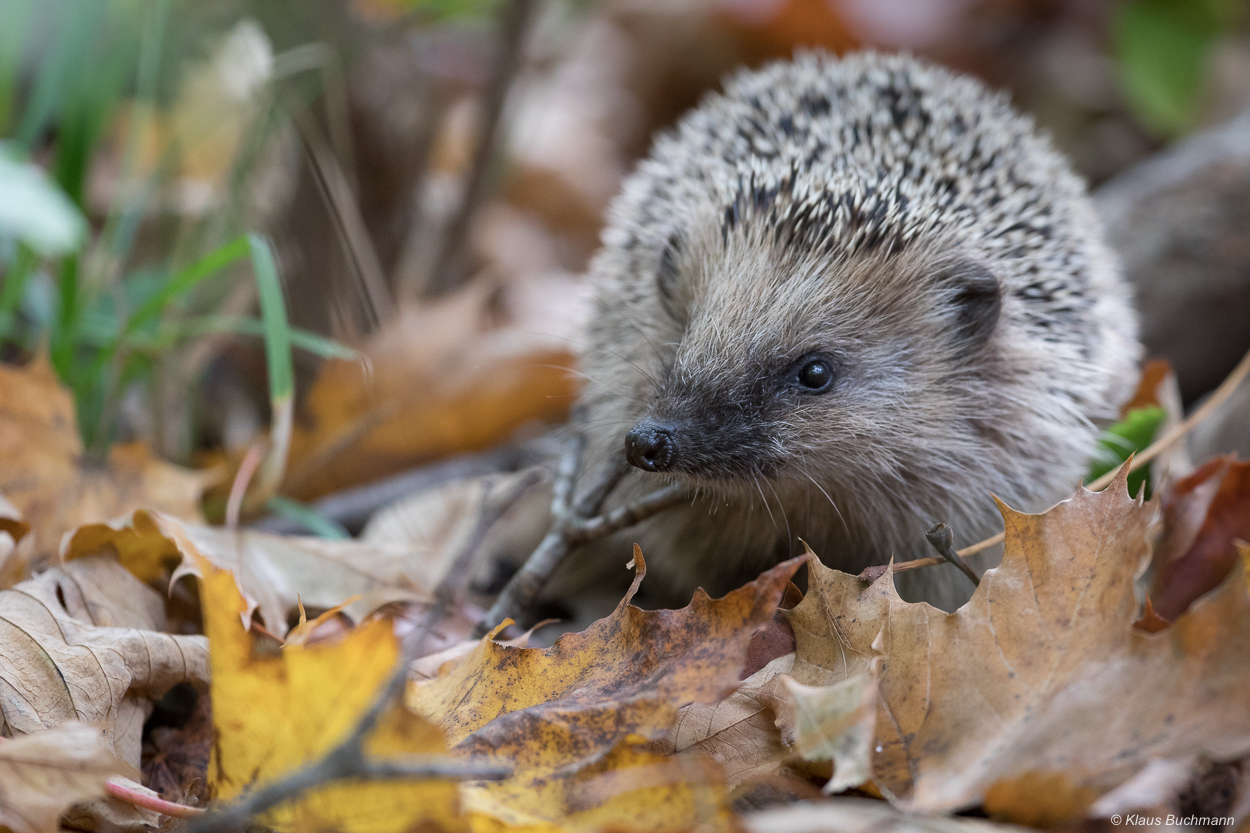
x: 275, y: 711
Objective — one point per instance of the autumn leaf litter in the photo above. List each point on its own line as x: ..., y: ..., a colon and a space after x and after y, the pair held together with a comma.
x: 1036, y: 703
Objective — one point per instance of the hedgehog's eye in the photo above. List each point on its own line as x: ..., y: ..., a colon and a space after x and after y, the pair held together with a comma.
x: 816, y: 376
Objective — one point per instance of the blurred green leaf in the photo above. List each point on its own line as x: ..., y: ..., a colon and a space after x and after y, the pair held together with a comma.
x: 1162, y: 46
x: 186, y: 280
x: 274, y: 321
x: 306, y: 517
x: 1132, y: 434
x: 35, y: 211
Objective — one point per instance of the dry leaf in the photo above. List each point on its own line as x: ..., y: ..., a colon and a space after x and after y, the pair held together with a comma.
x: 556, y: 715
x: 627, y: 789
x: 277, y: 710
x: 46, y: 478
x: 739, y: 732
x: 1038, y: 688
x: 836, y: 723
x: 273, y: 571
x: 82, y: 643
x: 15, y: 555
x: 442, y: 380
x: 43, y: 773
x: 860, y: 815
x: 634, y: 665
x: 1158, y: 388
x: 1202, y: 515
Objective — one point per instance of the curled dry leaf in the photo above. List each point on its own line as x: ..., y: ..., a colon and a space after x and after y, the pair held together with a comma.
x: 14, y: 557
x: 556, y: 715
x: 1038, y: 689
x: 82, y: 643
x: 276, y: 710
x: 836, y: 723
x: 273, y: 572
x: 44, y: 474
x: 442, y: 378
x: 44, y: 773
x: 1203, y: 515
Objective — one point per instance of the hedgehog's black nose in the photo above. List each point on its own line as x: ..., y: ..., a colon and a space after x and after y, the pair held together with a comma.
x: 650, y: 446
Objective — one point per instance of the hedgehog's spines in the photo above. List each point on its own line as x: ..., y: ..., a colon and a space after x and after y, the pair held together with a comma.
x: 817, y: 202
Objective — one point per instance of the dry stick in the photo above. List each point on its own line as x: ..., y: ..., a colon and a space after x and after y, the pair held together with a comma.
x: 348, y: 759
x: 1204, y: 411
x: 943, y: 540
x: 571, y: 527
x: 514, y: 22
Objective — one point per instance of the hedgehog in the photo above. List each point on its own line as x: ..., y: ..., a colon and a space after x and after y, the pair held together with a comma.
x: 842, y: 301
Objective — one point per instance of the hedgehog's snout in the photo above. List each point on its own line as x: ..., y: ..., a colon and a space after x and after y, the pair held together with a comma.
x: 651, y: 446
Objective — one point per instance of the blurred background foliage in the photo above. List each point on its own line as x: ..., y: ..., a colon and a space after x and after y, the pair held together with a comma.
x: 164, y: 165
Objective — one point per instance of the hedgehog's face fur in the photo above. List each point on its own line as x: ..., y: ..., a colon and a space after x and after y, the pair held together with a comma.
x: 788, y: 365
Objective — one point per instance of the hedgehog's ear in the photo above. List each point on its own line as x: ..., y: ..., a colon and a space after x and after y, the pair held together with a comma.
x: 975, y: 298
x: 668, y: 282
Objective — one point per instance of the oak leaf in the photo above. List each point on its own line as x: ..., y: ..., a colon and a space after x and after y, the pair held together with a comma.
x: 274, y: 572
x: 278, y: 709
x: 1039, y: 680
x: 42, y: 774
x: 43, y: 472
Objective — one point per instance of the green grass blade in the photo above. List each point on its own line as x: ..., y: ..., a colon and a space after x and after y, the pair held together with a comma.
x: 273, y: 318
x: 318, y: 345
x: 281, y: 372
x: 308, y: 518
x: 186, y: 280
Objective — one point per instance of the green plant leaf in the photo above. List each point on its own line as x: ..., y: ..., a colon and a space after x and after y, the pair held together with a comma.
x: 281, y: 372
x: 318, y: 345
x: 273, y: 320
x: 35, y: 211
x: 186, y: 280
x: 1132, y: 434
x: 1162, y: 47
x: 307, y: 517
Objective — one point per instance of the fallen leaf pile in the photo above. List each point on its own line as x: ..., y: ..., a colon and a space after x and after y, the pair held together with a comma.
x: 47, y: 480
x: 1040, y: 702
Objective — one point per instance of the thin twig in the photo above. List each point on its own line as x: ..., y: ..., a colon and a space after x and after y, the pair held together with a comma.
x: 943, y: 540
x: 1203, y: 412
x: 581, y: 531
x: 572, y: 527
x: 513, y: 24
